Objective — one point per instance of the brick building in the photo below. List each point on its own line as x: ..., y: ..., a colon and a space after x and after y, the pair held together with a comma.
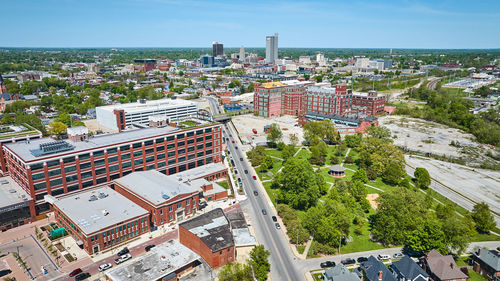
x: 48, y: 167
x: 100, y: 218
x: 166, y: 198
x: 487, y: 263
x: 12, y: 134
x: 293, y: 97
x: 16, y: 206
x: 327, y: 100
x: 369, y: 103
x: 209, y: 235
x: 344, y: 125
x: 268, y: 99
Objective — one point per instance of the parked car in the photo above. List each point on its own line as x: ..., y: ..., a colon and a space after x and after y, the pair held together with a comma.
x: 348, y: 261
x: 264, y: 212
x: 362, y: 259
x: 241, y: 158
x: 105, y: 266
x: 246, y: 171
x: 235, y: 171
x: 123, y: 252
x: 82, y: 276
x: 75, y: 272
x: 233, y: 141
x: 383, y: 257
x: 275, y: 219
x: 235, y: 147
x: 149, y: 247
x: 412, y: 253
x: 277, y: 225
x: 326, y: 264
x: 398, y: 255
x: 254, y: 177
x: 255, y: 193
x: 123, y: 258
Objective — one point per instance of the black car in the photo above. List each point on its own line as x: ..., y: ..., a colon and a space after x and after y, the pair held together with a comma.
x: 327, y: 264
x: 241, y: 158
x: 255, y: 193
x: 348, y: 261
x: 246, y: 171
x: 235, y: 147
x: 362, y: 259
x: 123, y: 252
x: 82, y: 276
x: 275, y: 219
x: 149, y: 247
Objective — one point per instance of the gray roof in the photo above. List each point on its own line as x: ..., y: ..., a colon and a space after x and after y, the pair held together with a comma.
x: 23, y: 149
x: 340, y: 273
x: 104, y: 212
x: 490, y: 257
x: 12, y: 196
x: 372, y: 267
x: 408, y: 268
x: 212, y: 228
x: 242, y: 237
x: 163, y: 260
x: 444, y: 267
x: 154, y: 186
x: 215, y: 190
x: 337, y: 168
x: 201, y: 172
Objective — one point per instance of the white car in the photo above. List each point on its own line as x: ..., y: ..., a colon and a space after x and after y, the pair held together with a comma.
x: 105, y: 266
x: 398, y: 255
x: 123, y: 258
x: 383, y: 257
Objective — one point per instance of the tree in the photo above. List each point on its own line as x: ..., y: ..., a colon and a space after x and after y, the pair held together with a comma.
x: 274, y: 133
x: 379, y: 132
x: 357, y: 190
x: 267, y: 163
x: 235, y: 272
x: 422, y: 178
x: 353, y: 141
x: 318, y: 153
x: 324, y: 130
x: 426, y: 237
x: 259, y: 262
x: 287, y: 152
x: 57, y: 129
x: 483, y: 218
x: 256, y: 155
x: 393, y: 173
x: 360, y: 175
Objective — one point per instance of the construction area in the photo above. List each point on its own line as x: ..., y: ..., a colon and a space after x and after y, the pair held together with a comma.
x: 246, y: 123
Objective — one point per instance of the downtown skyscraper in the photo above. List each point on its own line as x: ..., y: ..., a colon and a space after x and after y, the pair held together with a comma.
x: 272, y: 48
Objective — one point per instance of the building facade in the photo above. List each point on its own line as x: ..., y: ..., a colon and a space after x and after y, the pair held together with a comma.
x: 268, y: 99
x: 12, y: 134
x: 326, y: 100
x: 272, y: 48
x: 487, y: 263
x: 47, y: 167
x: 217, y: 49
x: 369, y: 103
x: 116, y: 118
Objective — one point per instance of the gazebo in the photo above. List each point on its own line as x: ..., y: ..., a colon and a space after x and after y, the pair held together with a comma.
x: 337, y: 171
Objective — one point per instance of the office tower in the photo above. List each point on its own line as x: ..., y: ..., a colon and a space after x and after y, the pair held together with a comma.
x: 242, y: 54
x: 272, y: 48
x: 217, y: 49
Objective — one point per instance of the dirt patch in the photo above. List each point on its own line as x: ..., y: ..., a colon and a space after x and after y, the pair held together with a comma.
x: 245, y: 123
x: 372, y: 199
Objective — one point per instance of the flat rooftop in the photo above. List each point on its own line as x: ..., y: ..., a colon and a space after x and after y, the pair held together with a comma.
x: 98, y: 208
x: 163, y: 260
x: 212, y: 228
x: 23, y: 149
x: 201, y: 172
x: 12, y: 195
x: 11, y: 132
x: 148, y: 104
x: 154, y: 186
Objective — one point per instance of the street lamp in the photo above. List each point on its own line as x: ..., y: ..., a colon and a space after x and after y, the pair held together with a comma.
x: 340, y: 242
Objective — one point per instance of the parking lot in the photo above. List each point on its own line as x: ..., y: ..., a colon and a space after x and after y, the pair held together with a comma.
x: 245, y: 123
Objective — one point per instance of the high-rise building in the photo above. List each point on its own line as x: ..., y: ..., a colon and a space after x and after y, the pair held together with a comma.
x: 217, y: 49
x: 242, y: 54
x: 272, y: 48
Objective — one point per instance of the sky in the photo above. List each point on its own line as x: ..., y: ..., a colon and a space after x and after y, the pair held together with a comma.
x: 451, y: 24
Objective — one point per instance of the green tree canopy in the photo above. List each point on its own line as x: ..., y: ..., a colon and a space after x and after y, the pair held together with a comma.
x: 324, y: 130
x: 482, y: 216
x: 259, y: 262
x: 274, y: 133
x: 422, y: 178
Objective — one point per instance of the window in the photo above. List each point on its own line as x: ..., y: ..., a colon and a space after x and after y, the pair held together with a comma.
x: 200, y: 139
x: 170, y: 146
x: 160, y: 140
x: 112, y: 159
x: 182, y: 159
x: 180, y: 136
x: 150, y: 158
x: 125, y: 156
x: 179, y: 205
x: 87, y: 175
x: 208, y: 130
x: 160, y: 148
x: 101, y: 180
x: 124, y: 147
x: 208, y: 144
x: 99, y: 153
x: 181, y: 143
x: 191, y: 149
x: 85, y: 165
x: 150, y: 150
x: 181, y: 151
x: 190, y: 157
x: 71, y: 178
x: 99, y: 163
x: 170, y: 208
x: 170, y: 138
x: 39, y: 186
x: 199, y: 154
x: 138, y: 162
x: 171, y: 154
x: 38, y: 176
x: 114, y: 168
x: 84, y: 156
x: 199, y: 146
x: 55, y: 182
x: 209, y: 137
x: 36, y: 166
x: 111, y: 150
x: 137, y: 153
x: 199, y: 132
x: 137, y: 145
x: 52, y: 163
x: 188, y: 202
x: 69, y: 169
x: 69, y: 159
x: 190, y: 141
x: 160, y: 156
x: 126, y: 165
x: 148, y: 143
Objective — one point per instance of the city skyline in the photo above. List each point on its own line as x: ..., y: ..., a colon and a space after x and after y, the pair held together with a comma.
x: 319, y: 24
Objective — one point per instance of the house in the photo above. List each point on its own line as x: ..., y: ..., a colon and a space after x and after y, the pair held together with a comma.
x: 375, y: 270
x: 487, y: 263
x: 407, y: 269
x: 339, y: 273
x: 441, y: 268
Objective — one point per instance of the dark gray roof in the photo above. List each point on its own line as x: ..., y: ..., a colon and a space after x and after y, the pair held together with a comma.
x: 372, y: 267
x: 408, y: 268
x: 444, y: 267
x: 237, y: 219
x: 490, y: 257
x: 337, y: 168
x: 212, y: 228
x: 340, y: 273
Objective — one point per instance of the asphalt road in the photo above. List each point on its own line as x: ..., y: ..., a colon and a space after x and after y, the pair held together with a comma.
x: 282, y: 260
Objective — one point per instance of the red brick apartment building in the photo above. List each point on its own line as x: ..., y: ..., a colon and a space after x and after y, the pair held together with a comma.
x: 165, y: 197
x: 267, y: 99
x: 209, y: 235
x: 49, y: 167
x: 326, y: 100
x: 369, y: 103
x: 100, y: 218
x: 12, y: 134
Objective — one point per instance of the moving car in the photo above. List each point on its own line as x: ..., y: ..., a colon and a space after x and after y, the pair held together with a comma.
x: 254, y: 177
x: 246, y: 171
x: 123, y: 252
x: 383, y: 257
x: 123, y: 258
x: 105, y: 266
x: 235, y: 147
x: 362, y: 259
x: 264, y: 212
x: 82, y: 276
x: 398, y: 255
x: 241, y: 158
x: 277, y: 225
x: 232, y: 141
x: 348, y: 261
x: 149, y: 247
x: 275, y: 219
x: 255, y: 193
x: 75, y: 272
x: 326, y: 264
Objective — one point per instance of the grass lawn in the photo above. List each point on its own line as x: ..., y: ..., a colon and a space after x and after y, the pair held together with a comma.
x: 273, y: 152
x: 303, y: 154
x: 380, y: 184
x: 270, y: 192
x: 360, y: 243
x: 301, y: 249
x: 474, y: 276
x: 317, y: 276
x: 485, y: 237
x: 462, y: 261
x: 224, y: 184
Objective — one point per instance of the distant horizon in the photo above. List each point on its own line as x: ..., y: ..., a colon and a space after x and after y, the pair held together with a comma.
x: 421, y: 24
x: 249, y: 47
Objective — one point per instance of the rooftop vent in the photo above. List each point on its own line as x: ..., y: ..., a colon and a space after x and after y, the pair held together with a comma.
x: 51, y: 147
x: 93, y: 198
x: 105, y: 212
x: 12, y: 190
x: 165, y: 196
x: 102, y: 195
x: 4, y: 181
